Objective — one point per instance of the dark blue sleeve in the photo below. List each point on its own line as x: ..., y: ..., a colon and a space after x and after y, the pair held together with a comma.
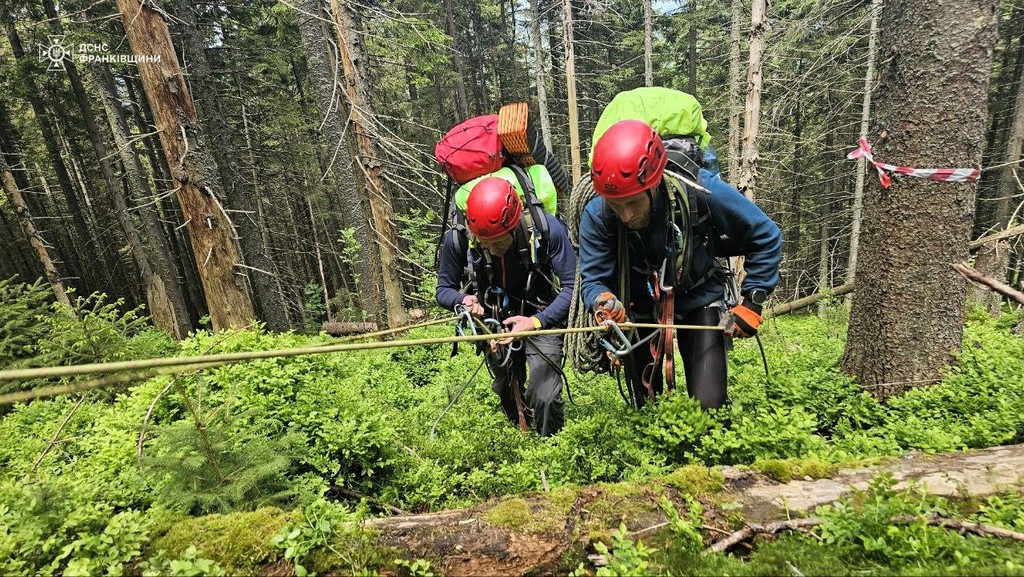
x: 748, y: 228
x: 597, y: 254
x: 449, y: 274
x: 563, y: 263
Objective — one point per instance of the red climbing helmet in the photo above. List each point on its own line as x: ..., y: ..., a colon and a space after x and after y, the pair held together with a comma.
x: 629, y: 158
x: 493, y: 208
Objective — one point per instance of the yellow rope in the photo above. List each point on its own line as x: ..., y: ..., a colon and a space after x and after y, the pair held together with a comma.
x: 149, y: 368
x: 96, y: 368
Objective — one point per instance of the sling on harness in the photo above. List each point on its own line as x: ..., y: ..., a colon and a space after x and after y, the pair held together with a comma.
x: 686, y: 218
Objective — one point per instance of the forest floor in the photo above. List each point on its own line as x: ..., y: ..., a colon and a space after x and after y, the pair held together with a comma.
x: 545, y: 533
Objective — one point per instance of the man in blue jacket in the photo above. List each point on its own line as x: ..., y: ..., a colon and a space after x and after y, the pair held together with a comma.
x: 515, y: 274
x: 667, y: 267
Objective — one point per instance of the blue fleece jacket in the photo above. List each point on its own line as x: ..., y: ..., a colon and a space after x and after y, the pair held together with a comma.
x: 510, y: 274
x: 749, y: 230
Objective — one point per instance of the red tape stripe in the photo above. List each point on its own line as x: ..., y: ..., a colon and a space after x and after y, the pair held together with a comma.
x: 938, y: 174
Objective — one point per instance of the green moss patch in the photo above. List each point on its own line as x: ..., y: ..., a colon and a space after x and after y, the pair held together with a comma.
x: 786, y: 470
x: 696, y: 480
x: 239, y: 542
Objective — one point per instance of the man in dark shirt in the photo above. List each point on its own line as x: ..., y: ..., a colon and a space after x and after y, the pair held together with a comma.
x: 640, y: 203
x: 516, y: 269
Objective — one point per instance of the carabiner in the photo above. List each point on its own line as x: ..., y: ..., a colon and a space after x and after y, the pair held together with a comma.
x: 624, y: 347
x: 465, y: 319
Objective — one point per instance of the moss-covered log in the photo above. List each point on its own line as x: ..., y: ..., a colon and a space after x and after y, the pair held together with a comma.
x: 552, y: 532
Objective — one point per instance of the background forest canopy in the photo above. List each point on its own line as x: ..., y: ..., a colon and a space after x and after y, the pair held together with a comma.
x: 288, y: 94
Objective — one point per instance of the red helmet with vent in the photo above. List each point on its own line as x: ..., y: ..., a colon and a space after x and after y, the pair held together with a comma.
x: 629, y: 158
x: 493, y: 208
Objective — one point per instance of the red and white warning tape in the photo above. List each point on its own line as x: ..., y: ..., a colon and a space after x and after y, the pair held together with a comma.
x: 940, y: 174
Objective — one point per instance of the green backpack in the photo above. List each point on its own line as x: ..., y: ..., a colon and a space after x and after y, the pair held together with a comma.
x: 671, y: 113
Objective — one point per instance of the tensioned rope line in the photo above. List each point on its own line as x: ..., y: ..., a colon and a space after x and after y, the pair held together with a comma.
x: 171, y: 365
x: 118, y: 366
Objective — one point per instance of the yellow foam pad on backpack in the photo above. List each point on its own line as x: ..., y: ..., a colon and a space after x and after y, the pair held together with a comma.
x: 512, y: 120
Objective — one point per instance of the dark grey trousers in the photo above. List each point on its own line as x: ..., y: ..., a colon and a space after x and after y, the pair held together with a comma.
x: 542, y: 397
x: 704, y: 361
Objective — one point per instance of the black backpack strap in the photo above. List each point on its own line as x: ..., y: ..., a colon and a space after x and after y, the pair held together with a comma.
x: 447, y: 215
x: 533, y: 202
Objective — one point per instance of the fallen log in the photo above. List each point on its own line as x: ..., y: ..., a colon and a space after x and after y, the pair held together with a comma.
x: 1000, y: 287
x: 536, y: 533
x: 338, y: 329
x: 1017, y: 230
x: 798, y: 304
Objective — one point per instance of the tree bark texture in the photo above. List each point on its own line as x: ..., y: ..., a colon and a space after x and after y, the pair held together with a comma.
x: 570, y: 82
x: 327, y: 77
x: 241, y: 197
x: 752, y: 112
x: 908, y: 310
x: 735, y: 89
x: 858, y: 191
x: 194, y: 172
x: 461, y: 103
x: 25, y: 219
x: 540, y: 74
x: 354, y: 62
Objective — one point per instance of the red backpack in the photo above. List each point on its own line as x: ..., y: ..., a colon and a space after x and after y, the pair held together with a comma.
x: 471, y: 149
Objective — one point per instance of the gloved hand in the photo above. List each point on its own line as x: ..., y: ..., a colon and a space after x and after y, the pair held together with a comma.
x: 518, y: 324
x: 609, y: 307
x: 742, y: 320
x: 473, y: 305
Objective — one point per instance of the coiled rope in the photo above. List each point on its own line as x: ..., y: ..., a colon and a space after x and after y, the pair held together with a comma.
x: 581, y: 348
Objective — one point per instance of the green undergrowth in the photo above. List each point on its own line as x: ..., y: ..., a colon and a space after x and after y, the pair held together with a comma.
x: 859, y: 536
x: 280, y: 434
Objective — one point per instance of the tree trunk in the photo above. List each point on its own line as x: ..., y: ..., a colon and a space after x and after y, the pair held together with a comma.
x: 748, y: 164
x: 172, y: 220
x: 343, y: 186
x: 21, y: 211
x: 1011, y: 174
x: 354, y: 62
x: 858, y: 191
x: 159, y: 301
x: 72, y: 243
x: 543, y: 533
x: 193, y: 170
x: 992, y: 260
x: 791, y: 236
x: 649, y: 45
x: 461, y: 103
x: 241, y: 197
x: 540, y: 74
x: 825, y: 209
x: 735, y: 89
x: 691, y: 48
x: 570, y: 82
x: 163, y: 291
x: 908, y: 310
